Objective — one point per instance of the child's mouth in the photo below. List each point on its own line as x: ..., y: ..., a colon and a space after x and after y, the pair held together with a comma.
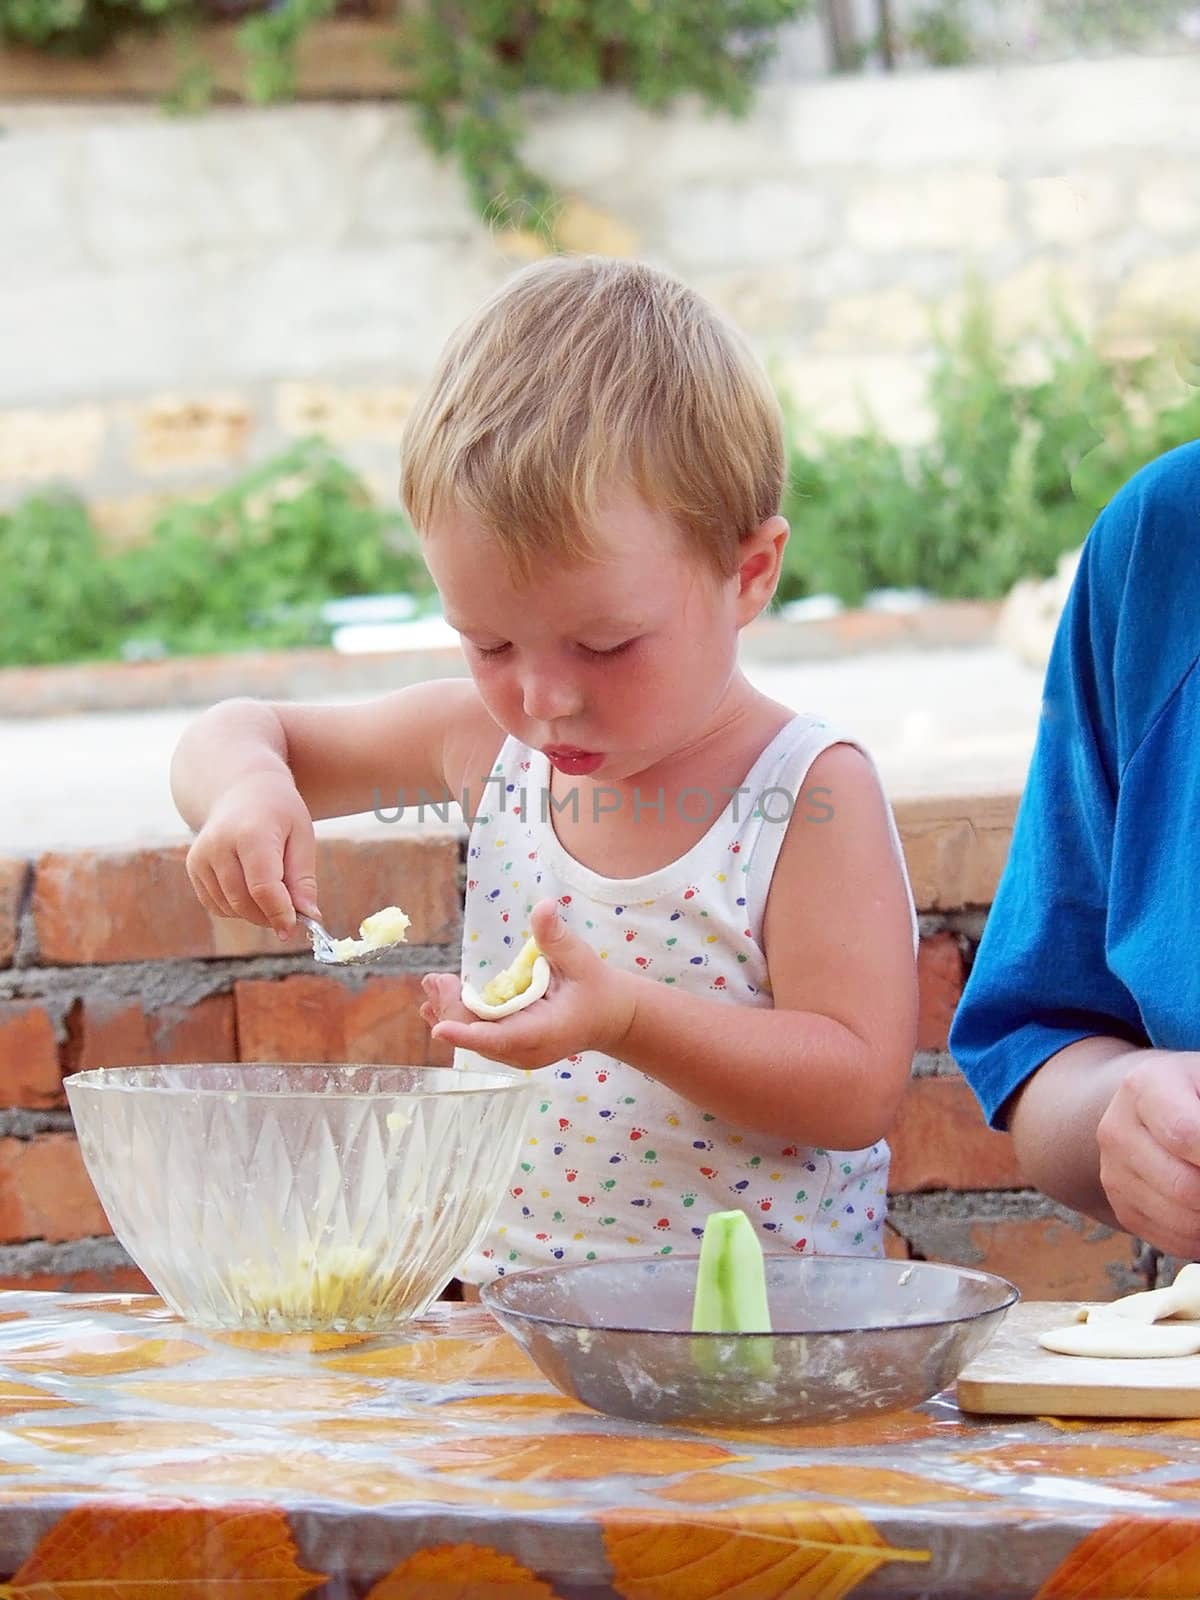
x: 578, y: 763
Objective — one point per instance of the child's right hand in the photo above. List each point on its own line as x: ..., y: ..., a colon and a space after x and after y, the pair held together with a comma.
x: 256, y: 855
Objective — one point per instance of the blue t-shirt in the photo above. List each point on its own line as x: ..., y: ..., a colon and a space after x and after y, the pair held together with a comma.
x: 1096, y: 923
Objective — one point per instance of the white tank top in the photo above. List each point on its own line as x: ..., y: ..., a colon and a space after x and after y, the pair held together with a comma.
x: 615, y: 1164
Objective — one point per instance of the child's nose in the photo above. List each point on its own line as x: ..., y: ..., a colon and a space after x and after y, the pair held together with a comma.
x: 548, y: 696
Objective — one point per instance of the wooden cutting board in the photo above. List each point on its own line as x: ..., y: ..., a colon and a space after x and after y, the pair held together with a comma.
x: 1014, y: 1376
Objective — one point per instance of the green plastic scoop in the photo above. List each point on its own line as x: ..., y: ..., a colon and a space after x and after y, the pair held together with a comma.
x: 731, y: 1284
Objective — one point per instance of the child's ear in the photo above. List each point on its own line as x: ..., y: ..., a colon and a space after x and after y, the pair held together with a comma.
x: 759, y: 567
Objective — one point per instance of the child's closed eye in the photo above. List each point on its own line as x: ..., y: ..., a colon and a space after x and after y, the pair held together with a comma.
x: 610, y: 650
x: 489, y: 652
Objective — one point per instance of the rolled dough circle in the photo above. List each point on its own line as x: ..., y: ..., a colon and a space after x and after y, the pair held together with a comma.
x: 1120, y: 1338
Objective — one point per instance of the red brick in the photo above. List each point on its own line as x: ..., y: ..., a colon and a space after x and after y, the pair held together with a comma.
x: 95, y: 906
x: 117, y: 905
x: 416, y: 871
x: 30, y: 1075
x: 940, y: 983
x: 12, y: 886
x: 111, y: 1033
x: 45, y: 1192
x: 105, y: 1280
x: 941, y: 1141
x: 1049, y: 1258
x: 955, y: 848
x: 321, y: 1019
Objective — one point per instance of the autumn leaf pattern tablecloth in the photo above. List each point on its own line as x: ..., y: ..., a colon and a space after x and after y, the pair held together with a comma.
x: 144, y: 1460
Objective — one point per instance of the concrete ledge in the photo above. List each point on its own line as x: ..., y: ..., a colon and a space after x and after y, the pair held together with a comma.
x: 956, y: 848
x: 309, y: 674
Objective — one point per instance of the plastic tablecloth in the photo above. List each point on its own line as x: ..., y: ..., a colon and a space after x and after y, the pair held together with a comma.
x: 142, y: 1458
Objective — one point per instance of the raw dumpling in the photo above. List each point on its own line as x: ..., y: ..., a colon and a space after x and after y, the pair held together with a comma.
x: 518, y: 986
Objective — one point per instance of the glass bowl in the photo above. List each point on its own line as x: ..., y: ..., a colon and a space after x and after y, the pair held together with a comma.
x: 852, y: 1336
x: 299, y: 1197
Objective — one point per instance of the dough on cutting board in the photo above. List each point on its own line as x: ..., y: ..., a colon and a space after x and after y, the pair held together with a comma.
x: 1182, y: 1299
x: 1121, y: 1338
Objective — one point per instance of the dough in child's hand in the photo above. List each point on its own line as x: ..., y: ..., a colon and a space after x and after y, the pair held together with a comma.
x: 518, y: 986
x: 1120, y: 1337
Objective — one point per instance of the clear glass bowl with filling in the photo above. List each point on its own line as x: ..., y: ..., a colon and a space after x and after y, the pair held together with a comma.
x: 851, y: 1335
x: 299, y: 1197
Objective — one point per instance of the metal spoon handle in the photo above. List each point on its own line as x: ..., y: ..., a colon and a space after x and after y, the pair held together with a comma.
x: 320, y: 938
x: 323, y: 947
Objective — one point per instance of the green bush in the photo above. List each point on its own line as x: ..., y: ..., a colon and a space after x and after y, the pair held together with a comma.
x: 472, y: 59
x: 248, y: 568
x: 941, y: 35
x: 1012, y: 476
x: 263, y: 557
x: 58, y: 597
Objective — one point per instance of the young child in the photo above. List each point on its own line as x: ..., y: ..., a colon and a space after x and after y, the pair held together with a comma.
x: 716, y: 881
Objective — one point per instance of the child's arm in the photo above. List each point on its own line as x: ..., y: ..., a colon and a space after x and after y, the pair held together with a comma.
x: 249, y: 778
x: 829, y: 1064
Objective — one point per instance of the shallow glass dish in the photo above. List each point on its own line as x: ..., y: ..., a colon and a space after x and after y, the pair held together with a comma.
x: 299, y: 1197
x: 851, y: 1336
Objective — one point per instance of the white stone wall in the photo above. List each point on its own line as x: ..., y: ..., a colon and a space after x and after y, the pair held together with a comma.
x: 178, y: 297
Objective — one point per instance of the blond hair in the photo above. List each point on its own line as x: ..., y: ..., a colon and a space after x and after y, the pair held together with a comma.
x: 580, y: 377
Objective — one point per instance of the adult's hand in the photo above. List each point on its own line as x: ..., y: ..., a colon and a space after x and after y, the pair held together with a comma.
x: 1149, y: 1149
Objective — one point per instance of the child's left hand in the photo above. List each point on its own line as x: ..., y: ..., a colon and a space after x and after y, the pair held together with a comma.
x: 589, y: 1006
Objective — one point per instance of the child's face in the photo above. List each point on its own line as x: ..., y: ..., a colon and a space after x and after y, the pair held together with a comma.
x: 610, y: 666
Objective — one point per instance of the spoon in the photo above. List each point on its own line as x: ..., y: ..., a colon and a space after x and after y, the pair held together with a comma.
x: 324, y: 947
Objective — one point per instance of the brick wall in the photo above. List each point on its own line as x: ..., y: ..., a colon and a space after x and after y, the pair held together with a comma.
x: 107, y: 959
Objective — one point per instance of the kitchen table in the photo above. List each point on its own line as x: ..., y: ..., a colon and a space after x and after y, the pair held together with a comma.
x: 145, y: 1460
